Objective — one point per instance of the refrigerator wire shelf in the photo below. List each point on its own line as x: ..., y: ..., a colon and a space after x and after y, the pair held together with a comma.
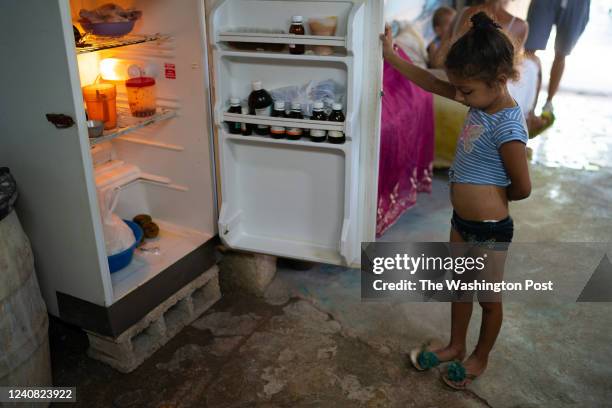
x: 127, y: 123
x: 93, y: 43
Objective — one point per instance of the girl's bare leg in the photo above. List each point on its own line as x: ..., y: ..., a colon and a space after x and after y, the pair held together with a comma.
x: 492, y: 317
x: 461, y: 312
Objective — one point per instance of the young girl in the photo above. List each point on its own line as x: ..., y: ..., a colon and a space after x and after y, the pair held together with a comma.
x: 490, y: 169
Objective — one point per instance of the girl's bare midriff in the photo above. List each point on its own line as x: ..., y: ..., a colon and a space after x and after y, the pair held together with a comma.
x: 477, y: 202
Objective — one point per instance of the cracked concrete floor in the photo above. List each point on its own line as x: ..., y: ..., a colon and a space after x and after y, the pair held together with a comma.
x: 283, y: 352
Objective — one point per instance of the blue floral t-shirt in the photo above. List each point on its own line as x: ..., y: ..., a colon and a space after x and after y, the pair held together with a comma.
x: 477, y: 158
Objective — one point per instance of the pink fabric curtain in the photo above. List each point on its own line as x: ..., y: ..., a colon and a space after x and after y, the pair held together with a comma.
x: 407, y: 146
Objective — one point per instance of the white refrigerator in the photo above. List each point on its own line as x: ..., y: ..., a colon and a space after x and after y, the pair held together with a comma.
x: 295, y: 199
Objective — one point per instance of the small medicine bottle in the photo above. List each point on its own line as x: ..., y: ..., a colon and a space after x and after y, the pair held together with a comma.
x: 235, y: 128
x: 297, y: 28
x: 335, y: 136
x: 318, y: 135
x: 295, y: 133
x: 278, y: 132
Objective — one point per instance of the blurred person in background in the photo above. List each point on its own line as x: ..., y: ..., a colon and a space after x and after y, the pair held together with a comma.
x: 442, y: 22
x: 524, y: 90
x: 570, y: 18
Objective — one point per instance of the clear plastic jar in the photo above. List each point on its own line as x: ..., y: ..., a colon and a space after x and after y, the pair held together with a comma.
x: 141, y: 96
x: 101, y: 102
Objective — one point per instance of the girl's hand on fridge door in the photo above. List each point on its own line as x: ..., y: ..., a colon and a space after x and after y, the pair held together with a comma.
x: 387, y: 43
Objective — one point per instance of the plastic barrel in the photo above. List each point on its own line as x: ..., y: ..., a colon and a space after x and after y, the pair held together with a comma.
x: 24, y: 340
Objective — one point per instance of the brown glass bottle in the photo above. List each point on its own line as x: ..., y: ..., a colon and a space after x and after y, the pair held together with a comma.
x: 297, y: 28
x: 247, y: 129
x: 234, y: 128
x: 334, y: 136
x: 278, y: 132
x: 318, y: 135
x: 296, y: 113
x: 260, y: 104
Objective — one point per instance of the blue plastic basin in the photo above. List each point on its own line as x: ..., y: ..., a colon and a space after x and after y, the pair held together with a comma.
x: 122, y: 259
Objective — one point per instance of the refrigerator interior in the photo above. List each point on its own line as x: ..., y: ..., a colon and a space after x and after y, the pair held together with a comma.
x: 283, y: 197
x: 171, y: 149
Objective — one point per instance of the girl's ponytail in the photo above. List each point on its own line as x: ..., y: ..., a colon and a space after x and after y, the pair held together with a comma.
x: 484, y: 52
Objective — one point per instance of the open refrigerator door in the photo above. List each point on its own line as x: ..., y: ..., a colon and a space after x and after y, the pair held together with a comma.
x: 288, y: 196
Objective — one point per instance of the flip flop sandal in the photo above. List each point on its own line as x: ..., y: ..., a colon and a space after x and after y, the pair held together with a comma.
x: 455, y: 374
x: 422, y: 359
x: 550, y: 119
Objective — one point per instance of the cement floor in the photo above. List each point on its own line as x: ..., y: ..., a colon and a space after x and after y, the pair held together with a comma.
x: 313, y: 342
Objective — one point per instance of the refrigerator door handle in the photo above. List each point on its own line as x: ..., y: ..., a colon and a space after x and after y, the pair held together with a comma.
x: 59, y: 120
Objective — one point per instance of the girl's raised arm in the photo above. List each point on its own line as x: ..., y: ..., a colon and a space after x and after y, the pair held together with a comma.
x: 419, y: 76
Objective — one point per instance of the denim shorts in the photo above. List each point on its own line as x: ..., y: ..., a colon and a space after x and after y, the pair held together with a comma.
x: 495, y: 235
x: 569, y: 16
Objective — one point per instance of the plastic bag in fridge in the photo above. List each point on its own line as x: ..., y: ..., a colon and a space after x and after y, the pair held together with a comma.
x: 117, y: 235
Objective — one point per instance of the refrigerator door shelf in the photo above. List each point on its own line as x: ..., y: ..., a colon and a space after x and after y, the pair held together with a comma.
x: 345, y: 147
x: 286, y: 199
x: 337, y: 56
x: 286, y: 122
x: 252, y: 17
x: 304, y: 251
x: 234, y: 75
x: 332, y: 41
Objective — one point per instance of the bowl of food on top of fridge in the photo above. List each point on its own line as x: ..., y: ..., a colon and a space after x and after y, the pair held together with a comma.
x: 109, y: 20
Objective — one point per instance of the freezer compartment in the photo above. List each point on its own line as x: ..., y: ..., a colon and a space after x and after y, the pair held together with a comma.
x: 176, y: 239
x: 282, y: 199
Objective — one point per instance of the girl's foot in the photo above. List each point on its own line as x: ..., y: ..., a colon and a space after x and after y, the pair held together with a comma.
x: 450, y: 353
x: 461, y: 375
x: 428, y: 356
